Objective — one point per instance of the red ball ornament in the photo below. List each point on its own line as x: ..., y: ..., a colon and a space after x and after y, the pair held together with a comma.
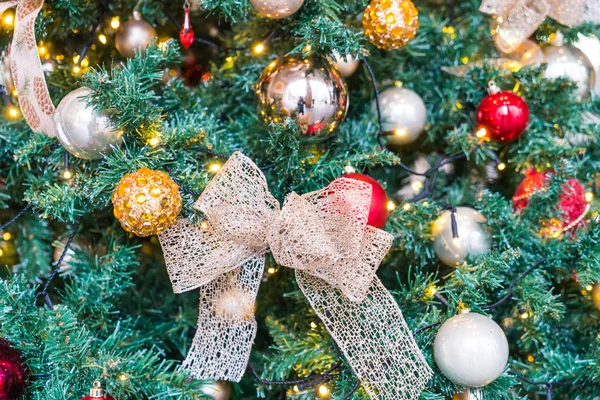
x: 378, y: 212
x: 96, y: 393
x: 13, y: 372
x: 502, y: 116
x: 571, y: 201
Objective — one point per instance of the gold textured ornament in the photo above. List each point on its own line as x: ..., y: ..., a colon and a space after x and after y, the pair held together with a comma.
x: 390, y: 24
x: 146, y: 202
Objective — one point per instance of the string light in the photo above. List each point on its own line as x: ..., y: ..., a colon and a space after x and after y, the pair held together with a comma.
x: 524, y: 315
x: 349, y: 169
x: 42, y: 50
x: 406, y: 207
x: 76, y: 69
x: 154, y: 142
x: 67, y: 174
x: 102, y: 38
x: 323, y: 391
x: 1, y: 252
x: 417, y: 185
x: 15, y: 92
x: 115, y: 22
x: 9, y: 19
x: 458, y: 105
x: 13, y: 112
x: 430, y: 292
x: 259, y: 48
x: 6, y: 236
x: 313, y: 325
x: 400, y: 132
x: 307, y: 48
x: 296, y: 388
x: 530, y: 358
x: 501, y: 166
x: 589, y: 196
x: 391, y: 206
x: 589, y: 288
x: 214, y: 167
x: 271, y: 270
x: 123, y: 377
x: 481, y: 133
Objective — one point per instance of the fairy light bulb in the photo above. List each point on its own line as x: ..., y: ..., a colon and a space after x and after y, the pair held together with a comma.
x: 76, y: 69
x: 214, y: 167
x: 115, y: 22
x: 6, y: 236
x: 391, y: 206
x: 259, y: 48
x: 9, y: 19
x: 153, y: 142
x: 501, y: 166
x: 67, y: 174
x: 323, y: 391
x: 13, y: 112
x: 102, y: 38
x: 589, y: 196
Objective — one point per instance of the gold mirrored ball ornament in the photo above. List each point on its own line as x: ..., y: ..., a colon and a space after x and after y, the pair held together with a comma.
x: 390, y: 24
x: 134, y: 34
x: 146, y: 202
x: 308, y: 90
x: 277, y: 9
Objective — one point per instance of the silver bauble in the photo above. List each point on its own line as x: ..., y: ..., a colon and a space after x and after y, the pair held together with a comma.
x: 346, y: 66
x: 308, y: 90
x: 277, y: 8
x: 219, y: 390
x: 472, y: 239
x: 81, y: 130
x: 403, y: 116
x: 596, y: 295
x: 567, y: 61
x: 471, y: 350
x: 468, y: 394
x: 134, y: 34
x: 590, y: 45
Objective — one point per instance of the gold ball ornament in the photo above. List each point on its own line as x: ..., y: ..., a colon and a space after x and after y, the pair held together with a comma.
x: 277, y: 9
x: 134, y: 34
x: 390, y: 24
x: 596, y: 295
x: 219, y: 390
x: 146, y: 202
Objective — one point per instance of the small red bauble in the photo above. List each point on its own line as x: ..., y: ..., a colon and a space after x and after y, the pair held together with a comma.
x: 571, y: 201
x: 378, y: 212
x: 503, y: 115
x: 96, y: 393
x: 186, y: 35
x: 13, y: 372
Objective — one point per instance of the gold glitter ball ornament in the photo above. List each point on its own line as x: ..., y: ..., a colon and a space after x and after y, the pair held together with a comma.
x: 390, y: 24
x: 146, y: 202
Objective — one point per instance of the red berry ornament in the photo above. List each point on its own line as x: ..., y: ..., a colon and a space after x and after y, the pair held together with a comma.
x: 572, y: 202
x: 96, y: 393
x: 378, y: 212
x: 502, y: 116
x: 186, y: 35
x: 13, y: 372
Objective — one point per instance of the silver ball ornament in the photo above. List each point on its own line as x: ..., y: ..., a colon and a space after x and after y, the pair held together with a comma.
x: 81, y: 130
x: 590, y: 45
x: 134, y: 34
x: 277, y: 9
x: 471, y: 350
x: 567, y: 61
x: 403, y: 115
x: 472, y: 239
x: 308, y: 90
x: 219, y: 390
x: 346, y: 66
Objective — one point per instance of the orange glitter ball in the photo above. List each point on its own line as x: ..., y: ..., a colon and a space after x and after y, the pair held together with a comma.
x: 146, y: 202
x: 390, y: 24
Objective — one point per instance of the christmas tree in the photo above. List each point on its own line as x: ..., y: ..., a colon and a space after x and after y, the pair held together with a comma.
x: 377, y: 199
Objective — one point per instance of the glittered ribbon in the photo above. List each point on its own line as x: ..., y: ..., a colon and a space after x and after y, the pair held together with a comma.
x: 517, y: 20
x: 323, y: 236
x: 26, y: 68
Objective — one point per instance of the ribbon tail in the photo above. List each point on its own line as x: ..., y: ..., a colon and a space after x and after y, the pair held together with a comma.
x: 374, y: 338
x: 226, y: 324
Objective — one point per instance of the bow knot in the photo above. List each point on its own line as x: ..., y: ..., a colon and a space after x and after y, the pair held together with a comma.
x: 324, y: 236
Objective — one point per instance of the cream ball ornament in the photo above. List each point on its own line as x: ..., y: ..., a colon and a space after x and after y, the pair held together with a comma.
x: 403, y: 116
x: 134, y: 34
x: 219, y: 390
x: 346, y: 66
x: 471, y: 350
x: 472, y: 239
x: 566, y: 61
x: 83, y: 131
x: 277, y: 9
x: 308, y: 90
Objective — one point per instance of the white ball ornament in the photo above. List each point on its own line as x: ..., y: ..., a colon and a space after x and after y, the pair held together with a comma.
x: 471, y: 350
x: 134, y: 34
x: 346, y: 66
x: 472, y: 239
x: 566, y: 61
x: 403, y: 115
x: 277, y: 9
x: 83, y: 131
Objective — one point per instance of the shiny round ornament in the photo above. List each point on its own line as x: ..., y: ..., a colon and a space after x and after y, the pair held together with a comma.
x: 471, y: 350
x: 133, y: 35
x: 83, y: 131
x: 219, y: 390
x: 596, y: 295
x: 590, y: 46
x: 277, y: 9
x: 390, y: 24
x: 503, y: 115
x: 346, y: 66
x: 13, y: 372
x: 472, y: 239
x: 6, y: 79
x: 96, y: 393
x: 310, y: 91
x: 567, y: 61
x: 528, y: 53
x: 146, y: 202
x: 468, y: 394
x: 403, y: 115
x: 235, y: 304
x: 378, y: 212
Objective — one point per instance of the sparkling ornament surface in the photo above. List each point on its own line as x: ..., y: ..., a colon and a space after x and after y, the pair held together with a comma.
x: 235, y: 304
x: 468, y: 394
x: 219, y: 390
x: 596, y: 295
x: 471, y: 350
x: 390, y: 24
x: 134, y: 34
x: 346, y: 66
x: 527, y: 53
x: 378, y: 212
x: 571, y: 201
x: 13, y: 372
x: 83, y: 131
x: 310, y: 91
x: 403, y: 115
x: 590, y: 46
x: 504, y: 115
x: 472, y: 239
x: 569, y: 62
x: 146, y: 202
x: 277, y: 9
